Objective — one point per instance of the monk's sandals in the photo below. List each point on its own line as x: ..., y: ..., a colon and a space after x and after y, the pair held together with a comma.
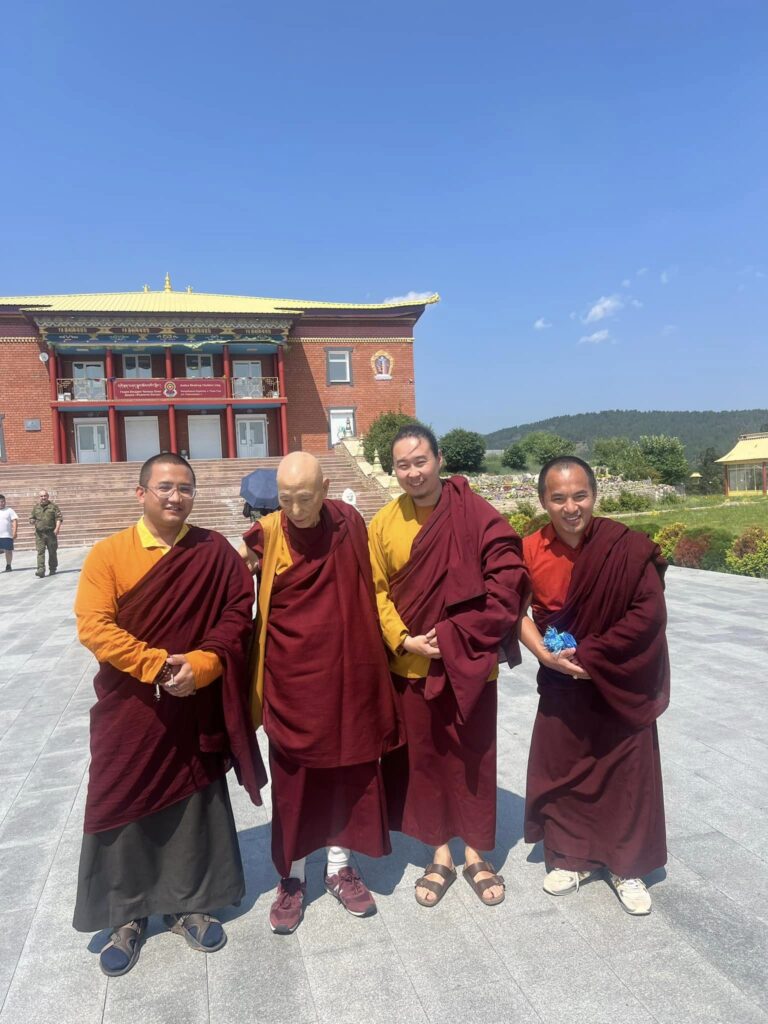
x: 481, y: 887
x: 201, y: 931
x: 122, y: 951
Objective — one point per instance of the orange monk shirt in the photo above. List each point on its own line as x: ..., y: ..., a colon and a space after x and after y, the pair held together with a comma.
x: 114, y: 566
x: 549, y: 562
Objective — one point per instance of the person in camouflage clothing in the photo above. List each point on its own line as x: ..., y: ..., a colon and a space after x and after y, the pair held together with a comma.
x: 47, y: 519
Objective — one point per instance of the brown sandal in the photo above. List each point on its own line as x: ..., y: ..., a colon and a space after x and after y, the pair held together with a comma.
x: 469, y: 872
x: 438, y: 888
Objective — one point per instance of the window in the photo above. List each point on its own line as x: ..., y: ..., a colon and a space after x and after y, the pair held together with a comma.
x: 339, y: 365
x: 199, y: 366
x: 137, y: 366
x: 341, y: 424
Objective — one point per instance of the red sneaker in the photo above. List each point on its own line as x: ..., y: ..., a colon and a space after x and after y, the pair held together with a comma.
x: 286, y: 912
x: 351, y: 892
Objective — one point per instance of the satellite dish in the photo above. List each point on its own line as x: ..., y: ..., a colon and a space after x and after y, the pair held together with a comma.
x: 43, y: 357
x: 349, y: 497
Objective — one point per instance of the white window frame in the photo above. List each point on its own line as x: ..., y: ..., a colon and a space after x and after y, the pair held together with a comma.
x: 338, y: 357
x: 197, y: 373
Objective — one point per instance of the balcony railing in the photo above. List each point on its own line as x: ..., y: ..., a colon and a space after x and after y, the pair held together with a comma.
x: 255, y: 387
x: 83, y: 389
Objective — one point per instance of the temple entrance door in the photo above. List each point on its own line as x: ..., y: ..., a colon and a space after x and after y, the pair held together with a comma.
x: 142, y: 438
x: 92, y: 441
x: 204, y: 437
x: 252, y: 437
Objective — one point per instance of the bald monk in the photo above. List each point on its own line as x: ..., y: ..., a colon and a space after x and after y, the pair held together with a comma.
x: 450, y: 585
x: 321, y: 688
x: 594, y: 794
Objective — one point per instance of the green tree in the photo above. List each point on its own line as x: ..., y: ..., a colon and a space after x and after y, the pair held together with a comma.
x: 611, y: 453
x: 380, y: 435
x: 711, y: 481
x: 463, y: 450
x: 514, y: 457
x: 666, y: 455
x: 543, y: 446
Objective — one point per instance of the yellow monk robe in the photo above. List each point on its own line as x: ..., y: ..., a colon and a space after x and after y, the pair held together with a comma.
x: 113, y: 566
x: 390, y: 539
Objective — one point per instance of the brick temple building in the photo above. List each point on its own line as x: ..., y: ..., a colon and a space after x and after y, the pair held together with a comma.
x: 116, y: 377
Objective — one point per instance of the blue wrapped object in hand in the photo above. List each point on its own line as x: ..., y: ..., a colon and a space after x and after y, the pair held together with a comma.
x: 556, y: 642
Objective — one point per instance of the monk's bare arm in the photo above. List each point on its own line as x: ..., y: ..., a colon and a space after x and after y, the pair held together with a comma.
x: 96, y: 612
x: 562, y: 662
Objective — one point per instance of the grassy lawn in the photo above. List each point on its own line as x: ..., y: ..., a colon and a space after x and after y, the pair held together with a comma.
x: 735, y: 518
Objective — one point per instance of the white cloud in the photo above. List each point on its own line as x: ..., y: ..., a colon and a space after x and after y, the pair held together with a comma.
x: 636, y: 303
x: 642, y: 271
x: 410, y: 297
x: 625, y: 283
x: 605, y: 306
x: 668, y: 329
x: 664, y: 277
x: 542, y: 324
x: 596, y: 338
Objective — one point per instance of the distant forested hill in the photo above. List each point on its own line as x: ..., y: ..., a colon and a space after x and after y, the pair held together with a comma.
x: 697, y: 430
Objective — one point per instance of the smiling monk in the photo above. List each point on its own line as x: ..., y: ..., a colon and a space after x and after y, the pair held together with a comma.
x: 450, y: 585
x: 166, y: 609
x: 322, y: 688
x: 594, y: 793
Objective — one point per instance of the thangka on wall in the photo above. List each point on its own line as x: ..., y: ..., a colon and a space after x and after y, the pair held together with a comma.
x: 382, y: 363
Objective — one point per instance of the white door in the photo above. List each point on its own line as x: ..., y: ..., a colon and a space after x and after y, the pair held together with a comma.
x: 92, y: 441
x: 142, y: 438
x: 252, y: 437
x: 246, y: 378
x: 204, y: 437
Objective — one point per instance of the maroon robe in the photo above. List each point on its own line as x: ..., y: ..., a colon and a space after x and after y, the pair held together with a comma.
x: 594, y: 793
x: 328, y: 705
x: 148, y: 754
x: 465, y: 577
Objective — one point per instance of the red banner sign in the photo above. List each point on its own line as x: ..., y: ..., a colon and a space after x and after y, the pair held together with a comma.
x: 155, y: 388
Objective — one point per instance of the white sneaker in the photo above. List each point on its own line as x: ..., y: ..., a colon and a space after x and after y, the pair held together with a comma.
x: 632, y: 893
x: 560, y: 882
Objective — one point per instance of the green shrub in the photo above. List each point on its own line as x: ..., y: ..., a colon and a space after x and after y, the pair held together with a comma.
x: 668, y: 537
x: 514, y: 457
x: 463, y: 450
x: 527, y: 508
x: 629, y: 502
x: 748, y: 555
x: 535, y: 524
x: 518, y: 521
x: 608, y: 505
x: 689, y: 551
x: 669, y: 498
x: 380, y: 435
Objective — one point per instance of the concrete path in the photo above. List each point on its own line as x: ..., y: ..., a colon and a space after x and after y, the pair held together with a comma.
x: 700, y: 957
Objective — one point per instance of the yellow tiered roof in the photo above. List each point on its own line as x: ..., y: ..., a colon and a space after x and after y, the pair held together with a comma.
x: 169, y: 301
x: 749, y: 448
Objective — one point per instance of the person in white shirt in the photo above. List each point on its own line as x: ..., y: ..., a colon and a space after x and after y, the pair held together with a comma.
x: 9, y: 524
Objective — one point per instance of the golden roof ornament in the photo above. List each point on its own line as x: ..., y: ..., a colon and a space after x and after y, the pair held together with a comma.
x: 167, y: 286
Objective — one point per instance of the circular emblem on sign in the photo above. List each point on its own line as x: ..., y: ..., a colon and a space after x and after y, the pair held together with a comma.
x: 169, y: 389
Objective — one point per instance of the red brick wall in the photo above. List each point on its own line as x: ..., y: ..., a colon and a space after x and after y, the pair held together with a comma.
x: 310, y: 397
x: 25, y: 394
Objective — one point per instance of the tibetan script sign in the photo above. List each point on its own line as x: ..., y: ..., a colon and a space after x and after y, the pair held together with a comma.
x: 154, y: 388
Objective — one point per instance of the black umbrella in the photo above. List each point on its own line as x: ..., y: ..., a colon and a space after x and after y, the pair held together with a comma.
x: 259, y: 489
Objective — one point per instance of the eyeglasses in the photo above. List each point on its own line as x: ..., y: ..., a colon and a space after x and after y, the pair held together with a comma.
x: 166, y: 490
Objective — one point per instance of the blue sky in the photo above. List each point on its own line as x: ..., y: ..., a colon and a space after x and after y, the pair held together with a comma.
x: 597, y: 169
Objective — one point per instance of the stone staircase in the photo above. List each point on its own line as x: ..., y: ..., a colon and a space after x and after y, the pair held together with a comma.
x: 98, y: 500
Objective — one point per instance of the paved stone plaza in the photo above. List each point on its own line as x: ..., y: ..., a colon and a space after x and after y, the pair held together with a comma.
x: 700, y: 957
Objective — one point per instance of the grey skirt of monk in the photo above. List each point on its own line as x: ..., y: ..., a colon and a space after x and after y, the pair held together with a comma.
x: 181, y: 860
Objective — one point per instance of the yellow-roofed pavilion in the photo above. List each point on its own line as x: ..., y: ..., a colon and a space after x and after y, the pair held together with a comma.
x: 746, y: 465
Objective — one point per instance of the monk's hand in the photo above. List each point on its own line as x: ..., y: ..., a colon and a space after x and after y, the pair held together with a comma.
x: 565, y: 661
x: 422, y: 645
x: 182, y: 682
